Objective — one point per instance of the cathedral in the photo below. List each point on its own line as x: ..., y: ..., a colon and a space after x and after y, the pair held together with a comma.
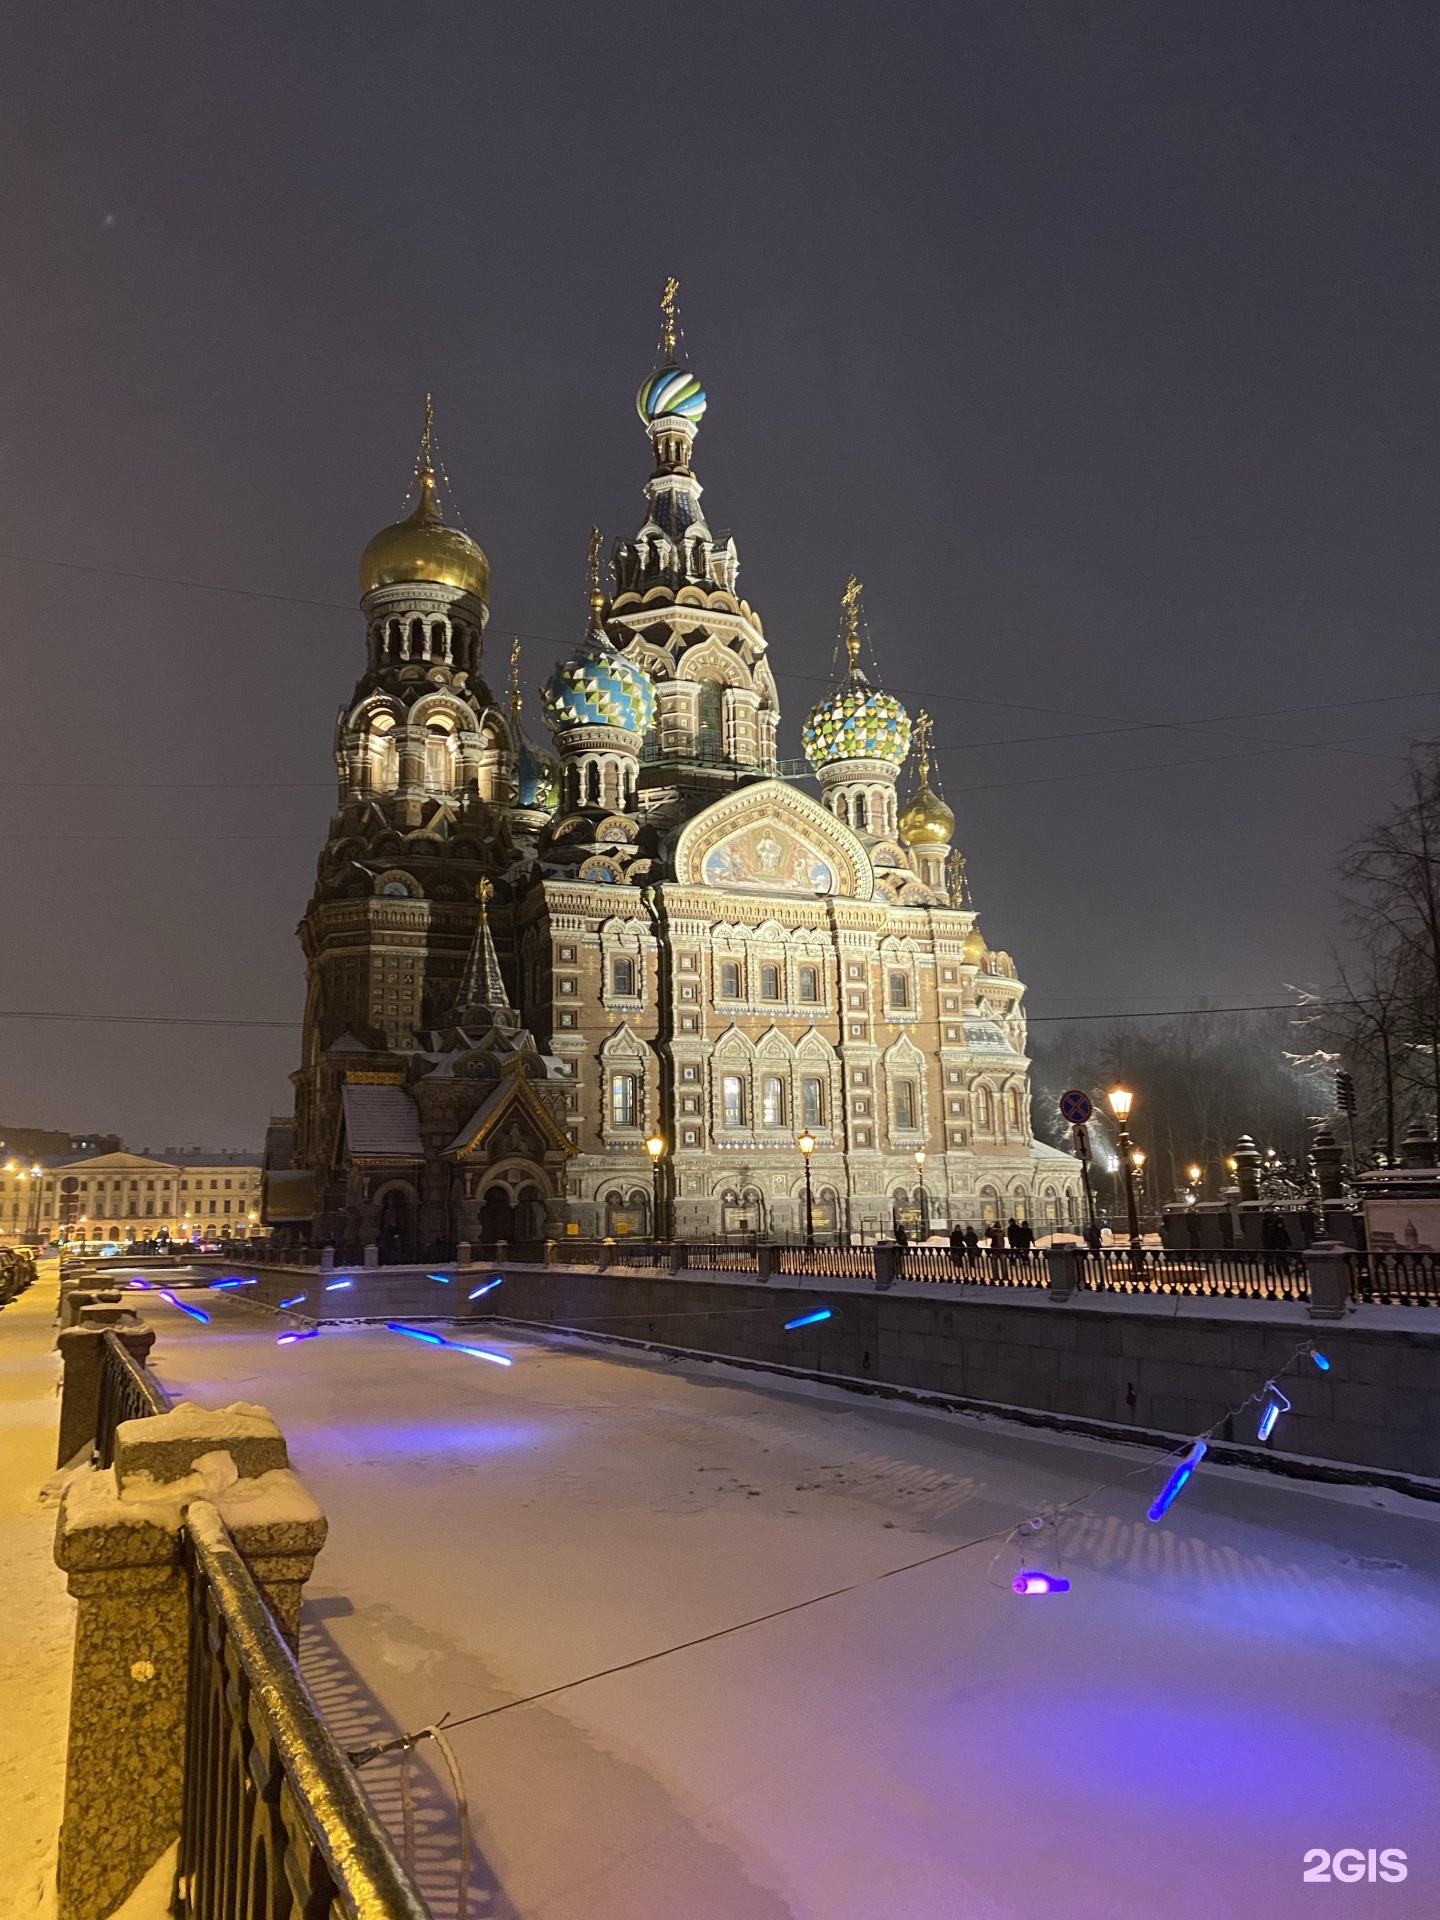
x: 613, y: 985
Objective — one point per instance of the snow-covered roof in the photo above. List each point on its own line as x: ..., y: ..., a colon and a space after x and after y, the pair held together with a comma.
x: 381, y: 1123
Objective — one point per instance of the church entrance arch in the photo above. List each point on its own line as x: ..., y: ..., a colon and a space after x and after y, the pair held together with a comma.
x: 497, y: 1216
x: 397, y: 1227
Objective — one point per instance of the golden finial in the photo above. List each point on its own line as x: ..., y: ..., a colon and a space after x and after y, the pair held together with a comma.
x: 484, y: 892
x: 597, y: 592
x: 426, y: 461
x: 922, y: 742
x: 516, y: 699
x: 850, y: 601
x: 669, y: 321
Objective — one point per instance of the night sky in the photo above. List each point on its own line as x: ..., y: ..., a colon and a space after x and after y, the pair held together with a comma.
x: 1099, y: 341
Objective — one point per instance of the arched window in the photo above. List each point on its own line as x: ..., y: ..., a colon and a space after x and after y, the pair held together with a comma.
x: 1014, y: 1104
x: 592, y: 784
x: 857, y: 813
x: 711, y: 716
x: 984, y: 1110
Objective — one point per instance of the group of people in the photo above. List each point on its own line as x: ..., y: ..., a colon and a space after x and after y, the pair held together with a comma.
x: 1017, y: 1236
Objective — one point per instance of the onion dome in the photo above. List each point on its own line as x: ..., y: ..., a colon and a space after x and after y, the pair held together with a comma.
x: 972, y: 949
x: 596, y: 686
x: 856, y: 721
x: 422, y: 547
x: 537, y: 771
x: 927, y: 821
x: 672, y: 391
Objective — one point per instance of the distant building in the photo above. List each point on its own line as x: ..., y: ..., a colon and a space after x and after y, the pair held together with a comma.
x: 131, y: 1196
x: 524, y: 963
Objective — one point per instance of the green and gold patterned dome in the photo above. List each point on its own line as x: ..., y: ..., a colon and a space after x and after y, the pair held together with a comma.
x: 856, y: 721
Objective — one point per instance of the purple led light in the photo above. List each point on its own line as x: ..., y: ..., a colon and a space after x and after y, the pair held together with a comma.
x: 137, y: 1282
x: 217, y: 1285
x: 338, y: 1286
x: 1034, y: 1580
x: 289, y: 1339
x: 195, y: 1313
x: 294, y: 1300
x: 1172, y: 1488
x: 1320, y: 1360
x: 488, y: 1287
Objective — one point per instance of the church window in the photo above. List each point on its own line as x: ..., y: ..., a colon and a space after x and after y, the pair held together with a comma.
x: 857, y: 814
x: 984, y: 1111
x: 1015, y: 1108
x: 622, y: 976
x: 772, y: 1100
x: 592, y: 784
x: 812, y: 1101
x: 899, y: 990
x: 769, y: 983
x: 624, y: 1100
x: 730, y: 980
x: 905, y: 1106
x: 809, y: 984
x: 732, y: 1093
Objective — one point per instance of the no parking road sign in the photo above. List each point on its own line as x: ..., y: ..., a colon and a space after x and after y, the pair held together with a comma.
x: 1076, y: 1107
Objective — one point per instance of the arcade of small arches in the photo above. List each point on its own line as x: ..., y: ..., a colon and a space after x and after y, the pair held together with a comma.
x: 421, y: 640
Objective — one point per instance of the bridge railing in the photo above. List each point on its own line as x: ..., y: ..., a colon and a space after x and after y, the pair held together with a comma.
x: 275, y: 1822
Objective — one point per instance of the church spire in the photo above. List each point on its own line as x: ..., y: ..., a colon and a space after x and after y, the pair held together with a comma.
x: 482, y: 1000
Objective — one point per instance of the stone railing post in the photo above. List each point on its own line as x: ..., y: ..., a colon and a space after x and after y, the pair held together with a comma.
x: 1327, y: 1264
x: 118, y: 1541
x: 83, y: 1360
x: 372, y: 1254
x: 677, y: 1257
x: 462, y: 1254
x: 327, y: 1259
x: 764, y: 1261
x: 1064, y: 1269
x: 887, y: 1264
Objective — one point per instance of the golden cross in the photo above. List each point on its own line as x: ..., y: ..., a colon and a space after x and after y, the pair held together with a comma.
x: 597, y: 596
x: 484, y: 892
x: 922, y: 740
x: 669, y: 319
x: 427, y: 437
x: 850, y: 600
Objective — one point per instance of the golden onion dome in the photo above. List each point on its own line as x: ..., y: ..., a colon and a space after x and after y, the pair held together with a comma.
x: 422, y: 547
x: 927, y: 821
x: 972, y: 950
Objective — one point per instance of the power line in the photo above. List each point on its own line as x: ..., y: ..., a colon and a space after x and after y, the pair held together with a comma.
x: 291, y: 1026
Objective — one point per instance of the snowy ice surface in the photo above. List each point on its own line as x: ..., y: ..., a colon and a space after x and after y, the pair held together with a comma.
x: 1257, y: 1676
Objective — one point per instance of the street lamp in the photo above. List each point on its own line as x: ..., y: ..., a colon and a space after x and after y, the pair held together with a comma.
x: 655, y: 1147
x: 806, y: 1144
x: 1121, y: 1100
x: 1194, y: 1175
x: 924, y: 1198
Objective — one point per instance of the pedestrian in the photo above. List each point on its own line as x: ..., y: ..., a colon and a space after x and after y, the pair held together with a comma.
x: 1024, y: 1237
x: 995, y: 1234
x: 972, y: 1245
x: 1093, y: 1238
x: 957, y: 1245
x: 1012, y: 1234
x: 902, y: 1237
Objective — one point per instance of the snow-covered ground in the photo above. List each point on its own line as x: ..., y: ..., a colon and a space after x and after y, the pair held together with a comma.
x: 1255, y: 1677
x: 37, y: 1614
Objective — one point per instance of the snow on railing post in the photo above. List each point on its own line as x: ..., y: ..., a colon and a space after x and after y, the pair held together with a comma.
x: 1327, y: 1264
x: 118, y: 1541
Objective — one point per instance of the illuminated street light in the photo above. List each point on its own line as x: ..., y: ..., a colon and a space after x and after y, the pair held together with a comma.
x: 1121, y: 1099
x: 923, y: 1196
x: 806, y: 1144
x: 655, y: 1147
x: 1131, y: 1159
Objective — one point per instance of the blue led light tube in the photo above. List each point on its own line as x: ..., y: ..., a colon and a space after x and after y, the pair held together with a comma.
x: 1172, y: 1488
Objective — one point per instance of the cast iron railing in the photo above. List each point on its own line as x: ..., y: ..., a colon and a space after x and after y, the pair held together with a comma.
x: 274, y: 1824
x: 128, y: 1391
x: 1386, y: 1278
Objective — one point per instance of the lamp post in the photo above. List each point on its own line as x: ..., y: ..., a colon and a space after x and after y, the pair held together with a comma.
x: 1121, y: 1100
x: 924, y: 1197
x: 806, y: 1143
x: 1194, y: 1175
x: 655, y: 1147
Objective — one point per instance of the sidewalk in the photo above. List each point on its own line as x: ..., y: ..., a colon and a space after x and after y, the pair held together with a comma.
x: 37, y: 1614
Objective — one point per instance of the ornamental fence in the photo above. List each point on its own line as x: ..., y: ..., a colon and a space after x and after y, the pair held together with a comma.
x: 274, y: 1822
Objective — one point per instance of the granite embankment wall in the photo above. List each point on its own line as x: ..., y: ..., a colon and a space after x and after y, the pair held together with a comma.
x: 1109, y: 1365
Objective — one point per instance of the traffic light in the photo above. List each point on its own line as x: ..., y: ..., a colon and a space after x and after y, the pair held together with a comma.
x: 1345, y: 1092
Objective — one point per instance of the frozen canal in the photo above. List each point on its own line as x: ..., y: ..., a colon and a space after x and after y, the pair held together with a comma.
x: 1255, y: 1677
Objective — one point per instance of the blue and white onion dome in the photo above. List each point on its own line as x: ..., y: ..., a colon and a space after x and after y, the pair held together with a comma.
x: 856, y: 722
x: 672, y: 392
x: 598, y: 687
x: 537, y: 776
